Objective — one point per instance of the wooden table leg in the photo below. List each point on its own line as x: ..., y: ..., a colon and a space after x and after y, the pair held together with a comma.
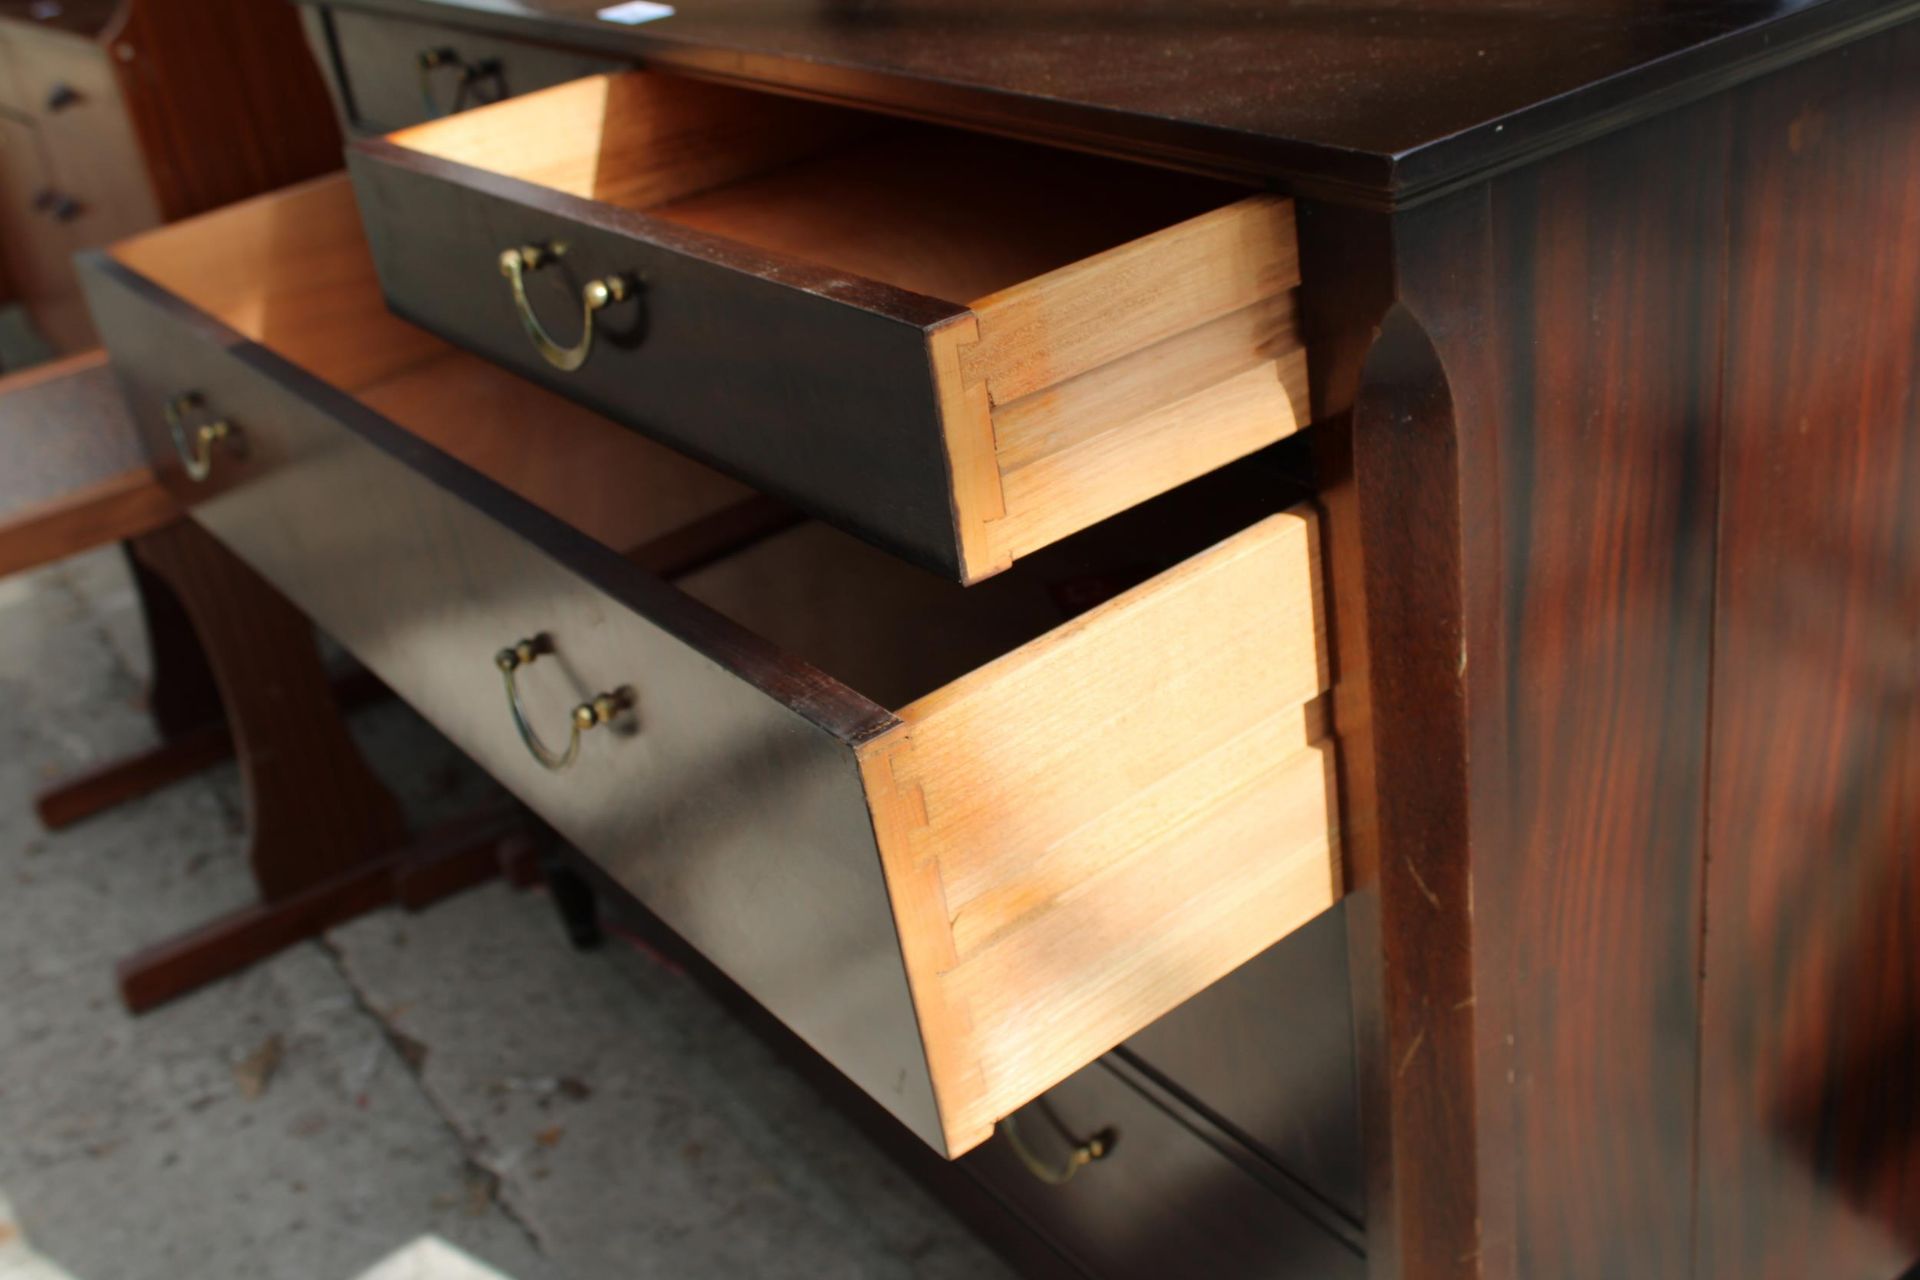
x: 325, y: 840
x: 182, y: 695
x: 184, y: 700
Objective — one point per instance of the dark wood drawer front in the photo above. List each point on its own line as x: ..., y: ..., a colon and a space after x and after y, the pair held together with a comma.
x: 958, y: 348
x: 382, y: 84
x: 963, y: 841
x: 1268, y: 1052
x: 708, y: 359
x: 1162, y: 1203
x: 435, y: 569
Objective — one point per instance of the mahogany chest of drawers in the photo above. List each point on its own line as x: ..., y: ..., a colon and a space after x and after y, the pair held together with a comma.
x: 1322, y: 613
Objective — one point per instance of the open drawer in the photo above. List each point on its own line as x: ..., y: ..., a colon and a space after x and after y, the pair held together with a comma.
x: 962, y: 841
x: 958, y: 347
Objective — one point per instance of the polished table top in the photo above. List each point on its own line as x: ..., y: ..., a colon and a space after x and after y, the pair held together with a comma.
x: 1382, y: 102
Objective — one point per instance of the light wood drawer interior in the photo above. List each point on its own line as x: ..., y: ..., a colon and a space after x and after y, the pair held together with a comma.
x: 1109, y: 331
x: 1082, y: 815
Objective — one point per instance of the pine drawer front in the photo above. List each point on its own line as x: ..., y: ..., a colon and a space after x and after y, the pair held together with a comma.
x: 958, y: 898
x: 957, y: 347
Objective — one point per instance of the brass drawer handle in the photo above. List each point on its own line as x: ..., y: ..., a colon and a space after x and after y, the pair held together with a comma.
x: 587, y: 715
x: 514, y: 265
x: 467, y: 89
x: 1083, y: 1153
x: 196, y: 445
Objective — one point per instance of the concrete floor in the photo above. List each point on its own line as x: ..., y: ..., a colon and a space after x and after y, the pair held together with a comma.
x: 449, y: 1096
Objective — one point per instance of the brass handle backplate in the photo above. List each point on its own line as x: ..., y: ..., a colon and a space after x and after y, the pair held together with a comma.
x: 1055, y: 1174
x: 516, y: 263
x: 588, y: 715
x: 195, y: 445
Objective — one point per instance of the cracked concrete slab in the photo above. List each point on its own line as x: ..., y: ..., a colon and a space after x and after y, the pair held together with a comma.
x: 453, y: 1085
x: 636, y: 1128
x: 129, y: 1147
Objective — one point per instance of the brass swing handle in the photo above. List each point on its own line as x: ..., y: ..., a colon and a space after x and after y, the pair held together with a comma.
x: 602, y: 708
x: 1097, y: 1147
x: 195, y: 445
x: 516, y: 263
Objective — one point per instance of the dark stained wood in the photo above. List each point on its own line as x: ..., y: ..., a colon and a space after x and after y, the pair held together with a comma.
x: 1521, y: 536
x: 182, y: 695
x: 1162, y: 1202
x: 313, y: 808
x: 160, y: 342
x: 190, y: 739
x: 464, y: 853
x: 224, y: 97
x: 75, y: 17
x: 713, y: 345
x: 459, y: 854
x: 325, y: 839
x: 1381, y: 103
x: 743, y: 322
x: 1267, y: 1054
x: 1810, y: 1071
x: 379, y: 74
x: 1389, y: 484
x: 73, y: 475
x: 1619, y: 660
x: 175, y: 757
x: 694, y: 546
x: 229, y: 944
x: 1607, y: 490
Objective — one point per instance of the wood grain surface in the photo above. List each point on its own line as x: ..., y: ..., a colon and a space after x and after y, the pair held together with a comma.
x: 1380, y: 105
x: 224, y: 97
x: 314, y: 809
x: 1082, y: 833
x: 1810, y: 1067
x: 1522, y: 540
x: 1622, y: 541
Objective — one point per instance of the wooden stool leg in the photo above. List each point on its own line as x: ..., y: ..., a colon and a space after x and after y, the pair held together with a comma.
x: 325, y: 840
x: 184, y: 701
x: 314, y: 809
x: 118, y: 781
x: 320, y: 827
x: 182, y: 695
